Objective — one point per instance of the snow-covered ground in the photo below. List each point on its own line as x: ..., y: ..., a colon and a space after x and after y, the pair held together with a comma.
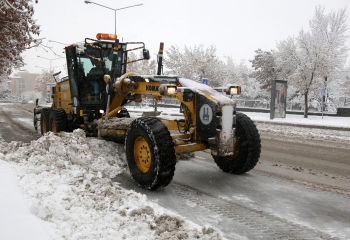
x: 59, y: 187
x: 64, y: 180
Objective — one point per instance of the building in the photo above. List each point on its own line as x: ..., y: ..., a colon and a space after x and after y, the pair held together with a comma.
x: 21, y: 82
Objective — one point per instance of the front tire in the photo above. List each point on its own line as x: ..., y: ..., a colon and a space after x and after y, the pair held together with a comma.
x: 247, y: 148
x: 45, y: 120
x: 58, y: 120
x: 150, y: 153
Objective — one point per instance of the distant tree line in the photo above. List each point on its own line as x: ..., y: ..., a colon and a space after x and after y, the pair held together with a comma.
x: 310, y: 61
x: 313, y: 60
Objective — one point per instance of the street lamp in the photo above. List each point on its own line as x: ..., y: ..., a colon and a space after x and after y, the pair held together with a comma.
x: 115, y: 11
x: 50, y: 79
x: 45, y: 68
x: 50, y: 60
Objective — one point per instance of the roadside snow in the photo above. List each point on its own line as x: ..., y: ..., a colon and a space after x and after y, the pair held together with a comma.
x: 328, y: 128
x: 66, y: 178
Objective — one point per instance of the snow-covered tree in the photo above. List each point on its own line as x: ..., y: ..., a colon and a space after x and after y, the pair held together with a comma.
x: 31, y: 95
x: 195, y: 63
x: 231, y: 75
x: 306, y: 60
x: 239, y: 74
x: 42, y: 81
x: 143, y: 66
x: 265, y: 68
x: 16, y: 33
x: 330, y: 32
x: 4, y: 87
x: 338, y: 87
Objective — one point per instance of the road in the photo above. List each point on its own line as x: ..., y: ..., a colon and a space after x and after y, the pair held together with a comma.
x: 16, y: 124
x: 299, y: 189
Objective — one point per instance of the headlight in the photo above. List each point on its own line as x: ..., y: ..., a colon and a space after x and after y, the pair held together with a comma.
x: 234, y: 90
x: 167, y: 89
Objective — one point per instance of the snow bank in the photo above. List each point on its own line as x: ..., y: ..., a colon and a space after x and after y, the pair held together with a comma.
x: 67, y: 177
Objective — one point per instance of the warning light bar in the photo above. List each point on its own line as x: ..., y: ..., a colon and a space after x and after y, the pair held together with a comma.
x: 161, y: 48
x: 106, y: 36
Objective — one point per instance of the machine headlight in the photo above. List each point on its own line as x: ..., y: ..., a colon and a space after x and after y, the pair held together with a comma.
x: 234, y: 90
x: 167, y: 89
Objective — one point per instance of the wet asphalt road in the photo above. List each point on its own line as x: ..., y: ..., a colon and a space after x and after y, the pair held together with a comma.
x: 16, y: 124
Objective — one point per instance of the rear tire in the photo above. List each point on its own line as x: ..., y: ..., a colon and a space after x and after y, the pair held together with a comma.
x: 150, y: 153
x: 58, y: 120
x: 45, y: 120
x: 246, y: 150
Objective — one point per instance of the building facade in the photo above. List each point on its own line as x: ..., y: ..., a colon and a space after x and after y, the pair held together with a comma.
x: 21, y: 82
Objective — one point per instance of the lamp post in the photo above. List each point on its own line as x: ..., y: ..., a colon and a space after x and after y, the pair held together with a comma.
x: 50, y: 79
x: 115, y: 11
x: 45, y: 67
x: 50, y: 61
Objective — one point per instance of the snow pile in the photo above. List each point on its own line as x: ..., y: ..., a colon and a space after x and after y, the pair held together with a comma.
x: 67, y: 177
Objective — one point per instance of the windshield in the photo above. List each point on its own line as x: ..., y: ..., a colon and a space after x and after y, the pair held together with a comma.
x: 90, y: 62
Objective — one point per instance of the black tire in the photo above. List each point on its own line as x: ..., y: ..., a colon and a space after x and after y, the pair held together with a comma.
x: 123, y: 113
x: 150, y: 136
x: 247, y: 148
x: 58, y: 120
x: 36, y: 120
x: 45, y: 120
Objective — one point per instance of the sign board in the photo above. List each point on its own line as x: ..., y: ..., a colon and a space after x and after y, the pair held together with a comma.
x: 205, y: 81
x: 323, y: 92
x: 278, y: 99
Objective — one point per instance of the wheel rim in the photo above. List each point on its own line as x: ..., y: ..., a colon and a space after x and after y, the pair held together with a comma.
x: 236, y: 149
x: 142, y: 154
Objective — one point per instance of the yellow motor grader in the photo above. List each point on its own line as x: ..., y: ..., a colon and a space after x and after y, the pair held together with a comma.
x: 97, y: 88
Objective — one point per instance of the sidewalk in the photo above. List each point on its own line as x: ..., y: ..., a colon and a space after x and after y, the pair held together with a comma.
x: 327, y: 122
x: 17, y: 223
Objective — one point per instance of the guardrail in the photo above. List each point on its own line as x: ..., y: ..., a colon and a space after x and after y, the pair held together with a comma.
x: 313, y: 107
x: 10, y: 101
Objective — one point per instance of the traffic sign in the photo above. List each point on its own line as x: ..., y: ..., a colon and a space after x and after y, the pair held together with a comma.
x: 205, y: 81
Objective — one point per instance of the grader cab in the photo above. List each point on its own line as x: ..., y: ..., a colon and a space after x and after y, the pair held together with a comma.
x: 98, y: 87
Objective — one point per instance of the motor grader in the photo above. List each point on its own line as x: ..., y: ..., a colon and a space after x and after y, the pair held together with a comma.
x: 98, y: 86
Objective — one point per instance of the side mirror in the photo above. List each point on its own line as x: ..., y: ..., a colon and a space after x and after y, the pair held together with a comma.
x: 145, y: 54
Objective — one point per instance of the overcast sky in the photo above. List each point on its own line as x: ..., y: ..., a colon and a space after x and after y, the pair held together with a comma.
x: 235, y: 27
